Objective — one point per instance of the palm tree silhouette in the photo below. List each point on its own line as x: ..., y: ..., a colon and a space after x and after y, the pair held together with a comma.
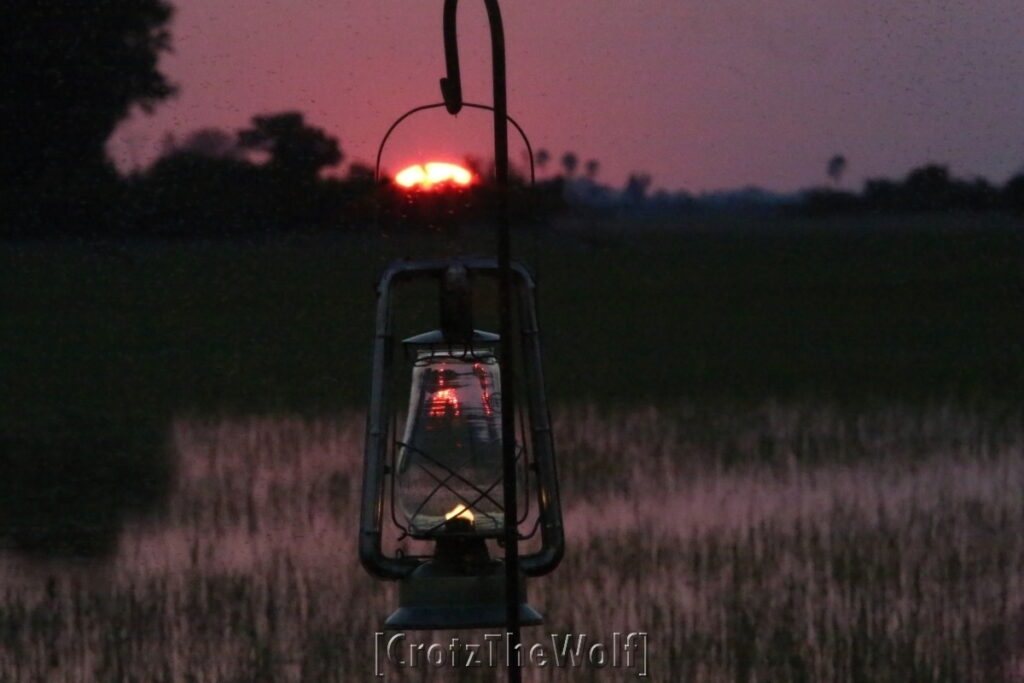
x: 569, y: 162
x: 836, y: 167
x: 541, y: 158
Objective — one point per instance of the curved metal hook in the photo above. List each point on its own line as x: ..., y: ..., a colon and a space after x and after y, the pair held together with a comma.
x: 451, y: 85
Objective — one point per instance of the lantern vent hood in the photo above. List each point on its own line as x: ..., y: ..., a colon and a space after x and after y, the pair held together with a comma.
x: 438, y: 337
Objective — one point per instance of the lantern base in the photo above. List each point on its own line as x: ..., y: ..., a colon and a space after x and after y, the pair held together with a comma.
x: 433, y: 597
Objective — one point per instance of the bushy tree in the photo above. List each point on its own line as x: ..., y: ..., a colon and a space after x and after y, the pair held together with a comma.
x: 211, y: 142
x: 208, y: 185
x: 190, y: 193
x: 1013, y: 193
x: 71, y: 71
x: 296, y: 150
x: 929, y: 188
x: 636, y: 188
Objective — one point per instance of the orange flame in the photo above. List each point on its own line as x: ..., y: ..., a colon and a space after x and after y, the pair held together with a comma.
x: 460, y: 511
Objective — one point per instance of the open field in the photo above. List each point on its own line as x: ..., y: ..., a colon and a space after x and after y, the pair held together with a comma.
x: 784, y: 542
x: 908, y: 307
x: 790, y: 451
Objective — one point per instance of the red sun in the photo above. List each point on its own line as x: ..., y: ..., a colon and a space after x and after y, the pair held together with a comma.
x: 433, y: 175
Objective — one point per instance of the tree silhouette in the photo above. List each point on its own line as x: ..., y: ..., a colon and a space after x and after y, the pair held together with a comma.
x: 541, y: 158
x: 208, y: 185
x: 836, y: 168
x: 190, y: 192
x: 290, y: 179
x: 360, y: 173
x: 931, y: 178
x: 72, y: 71
x: 569, y: 163
x: 591, y: 168
x: 1013, y: 193
x: 298, y: 152
x: 929, y: 187
x: 210, y: 142
x: 636, y: 188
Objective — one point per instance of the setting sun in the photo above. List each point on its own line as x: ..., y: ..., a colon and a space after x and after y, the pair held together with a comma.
x: 433, y: 174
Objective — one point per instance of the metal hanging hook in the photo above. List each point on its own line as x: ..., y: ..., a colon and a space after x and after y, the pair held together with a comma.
x: 451, y: 85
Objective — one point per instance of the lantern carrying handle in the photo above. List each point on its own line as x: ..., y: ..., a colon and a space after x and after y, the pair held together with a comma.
x: 438, y: 105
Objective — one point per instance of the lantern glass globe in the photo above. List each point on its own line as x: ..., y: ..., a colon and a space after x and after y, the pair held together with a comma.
x: 449, y: 466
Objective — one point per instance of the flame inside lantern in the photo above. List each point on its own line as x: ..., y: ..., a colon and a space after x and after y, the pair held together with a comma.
x: 460, y: 511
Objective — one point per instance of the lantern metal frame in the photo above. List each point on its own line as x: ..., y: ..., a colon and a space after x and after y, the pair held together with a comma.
x: 381, y: 431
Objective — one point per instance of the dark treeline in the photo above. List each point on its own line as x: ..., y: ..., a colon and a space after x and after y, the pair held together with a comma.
x: 927, y: 188
x: 271, y: 178
x: 73, y: 71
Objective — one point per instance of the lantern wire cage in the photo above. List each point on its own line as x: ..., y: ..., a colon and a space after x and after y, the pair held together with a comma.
x: 524, y: 465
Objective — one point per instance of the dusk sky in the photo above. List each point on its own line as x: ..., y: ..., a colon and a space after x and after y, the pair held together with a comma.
x: 700, y: 95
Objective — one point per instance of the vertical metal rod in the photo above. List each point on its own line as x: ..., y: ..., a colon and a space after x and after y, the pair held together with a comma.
x: 451, y: 89
x: 508, y: 385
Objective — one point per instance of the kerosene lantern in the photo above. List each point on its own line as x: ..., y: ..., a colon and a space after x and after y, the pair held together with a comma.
x: 439, y: 477
x: 473, y: 429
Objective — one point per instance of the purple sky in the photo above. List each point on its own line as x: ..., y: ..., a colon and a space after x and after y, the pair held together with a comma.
x: 702, y: 95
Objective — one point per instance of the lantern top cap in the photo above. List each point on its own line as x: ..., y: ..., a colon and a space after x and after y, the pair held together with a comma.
x: 437, y: 337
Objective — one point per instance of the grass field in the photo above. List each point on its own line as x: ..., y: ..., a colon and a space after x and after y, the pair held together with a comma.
x: 782, y: 542
x: 790, y: 451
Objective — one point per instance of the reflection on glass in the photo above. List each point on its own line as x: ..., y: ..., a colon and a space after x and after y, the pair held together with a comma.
x: 450, y: 459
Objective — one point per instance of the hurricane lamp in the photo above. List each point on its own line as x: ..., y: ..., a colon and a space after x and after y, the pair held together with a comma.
x: 440, y: 474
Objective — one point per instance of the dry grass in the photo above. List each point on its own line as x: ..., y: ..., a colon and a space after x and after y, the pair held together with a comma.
x: 783, y: 542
